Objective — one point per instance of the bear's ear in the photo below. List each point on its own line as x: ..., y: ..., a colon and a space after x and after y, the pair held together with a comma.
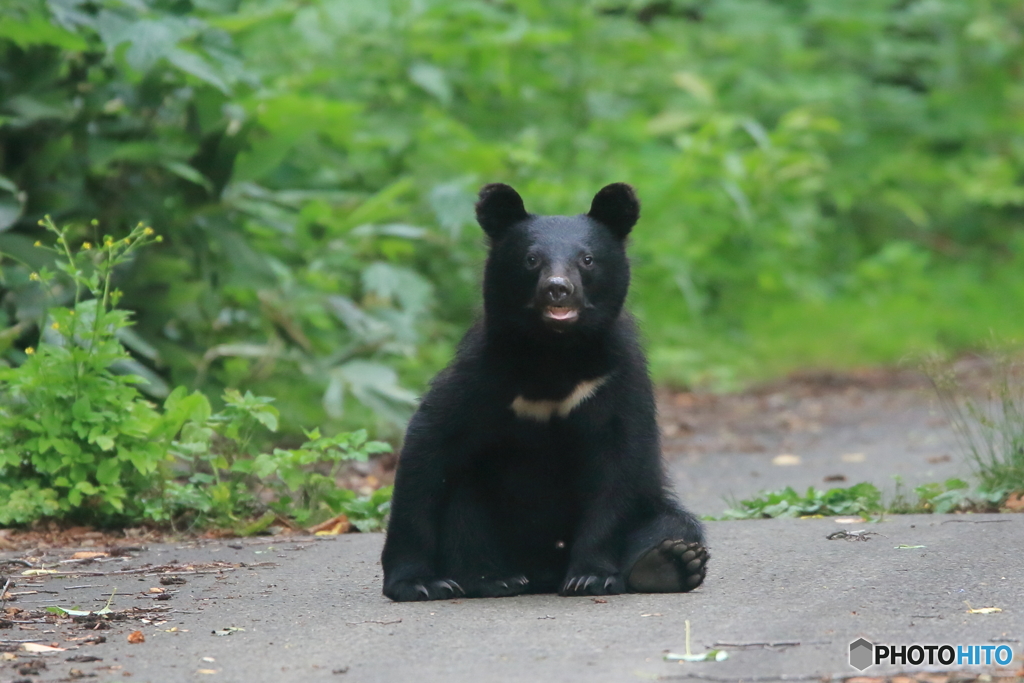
x: 499, y: 208
x: 617, y: 207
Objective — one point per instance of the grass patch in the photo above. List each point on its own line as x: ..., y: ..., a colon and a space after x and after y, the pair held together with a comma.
x: 862, y: 499
x: 866, y: 500
x: 945, y: 311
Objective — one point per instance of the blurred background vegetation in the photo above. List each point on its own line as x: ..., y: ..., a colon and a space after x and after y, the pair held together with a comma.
x: 825, y: 183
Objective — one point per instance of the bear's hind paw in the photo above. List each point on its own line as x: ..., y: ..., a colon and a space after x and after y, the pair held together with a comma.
x: 672, y: 566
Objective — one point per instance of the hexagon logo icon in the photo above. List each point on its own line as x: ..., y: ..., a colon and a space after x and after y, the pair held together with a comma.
x: 861, y: 654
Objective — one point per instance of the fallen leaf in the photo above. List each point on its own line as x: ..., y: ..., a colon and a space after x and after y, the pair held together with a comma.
x: 40, y: 649
x: 981, y: 610
x: 709, y: 656
x: 136, y: 637
x: 332, y: 527
x: 54, y: 609
x: 849, y: 520
x: 7, y: 656
x: 786, y: 459
x: 88, y: 555
x: 1015, y: 503
x: 206, y: 671
x: 227, y: 631
x: 652, y: 614
x: 853, y: 457
x: 154, y: 589
x: 39, y: 572
x: 904, y: 546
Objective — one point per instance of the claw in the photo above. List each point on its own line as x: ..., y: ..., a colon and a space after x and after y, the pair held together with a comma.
x: 503, y: 584
x: 590, y: 580
x: 608, y: 582
x: 420, y: 588
x: 459, y: 588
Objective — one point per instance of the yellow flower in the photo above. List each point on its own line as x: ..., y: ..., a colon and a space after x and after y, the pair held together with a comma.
x: 109, y: 242
x: 148, y: 231
x: 87, y: 245
x: 127, y: 240
x: 29, y: 351
x: 34, y: 277
x: 159, y: 238
x: 38, y: 244
x: 55, y: 326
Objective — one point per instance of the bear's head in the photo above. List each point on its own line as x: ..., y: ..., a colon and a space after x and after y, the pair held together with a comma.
x: 561, y: 275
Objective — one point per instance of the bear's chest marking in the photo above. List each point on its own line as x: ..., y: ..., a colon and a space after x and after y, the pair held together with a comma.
x: 543, y: 410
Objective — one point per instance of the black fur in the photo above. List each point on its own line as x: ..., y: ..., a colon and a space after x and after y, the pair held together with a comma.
x: 489, y: 502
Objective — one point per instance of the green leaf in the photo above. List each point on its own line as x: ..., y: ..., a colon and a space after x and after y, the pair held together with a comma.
x: 109, y: 471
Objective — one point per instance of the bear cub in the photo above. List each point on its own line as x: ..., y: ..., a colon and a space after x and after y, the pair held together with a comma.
x: 533, y: 463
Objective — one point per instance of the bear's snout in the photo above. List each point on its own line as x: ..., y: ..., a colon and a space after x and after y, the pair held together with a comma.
x: 557, y: 289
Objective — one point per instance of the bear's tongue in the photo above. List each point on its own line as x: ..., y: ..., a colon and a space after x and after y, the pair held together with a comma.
x: 560, y: 312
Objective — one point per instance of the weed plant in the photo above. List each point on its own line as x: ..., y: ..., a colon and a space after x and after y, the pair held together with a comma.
x: 989, y: 431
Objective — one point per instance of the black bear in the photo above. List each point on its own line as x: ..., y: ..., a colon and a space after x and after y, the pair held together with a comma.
x: 533, y: 464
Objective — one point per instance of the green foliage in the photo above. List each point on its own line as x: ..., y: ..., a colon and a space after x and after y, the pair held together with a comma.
x: 952, y: 495
x: 864, y: 499
x: 226, y: 477
x: 314, y: 163
x: 79, y: 441
x: 860, y: 499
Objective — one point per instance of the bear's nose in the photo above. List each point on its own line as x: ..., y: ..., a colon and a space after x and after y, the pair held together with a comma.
x: 557, y: 289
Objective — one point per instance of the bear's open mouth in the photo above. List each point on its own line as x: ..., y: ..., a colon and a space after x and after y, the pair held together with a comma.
x: 561, y: 313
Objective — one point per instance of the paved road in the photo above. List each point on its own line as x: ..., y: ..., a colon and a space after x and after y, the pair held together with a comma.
x: 311, y: 609
x: 723, y: 447
x: 316, y: 613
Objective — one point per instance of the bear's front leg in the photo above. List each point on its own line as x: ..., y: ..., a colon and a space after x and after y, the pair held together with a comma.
x: 594, y: 555
x: 411, y: 590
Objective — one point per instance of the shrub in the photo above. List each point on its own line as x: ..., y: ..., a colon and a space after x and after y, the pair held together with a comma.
x: 79, y: 441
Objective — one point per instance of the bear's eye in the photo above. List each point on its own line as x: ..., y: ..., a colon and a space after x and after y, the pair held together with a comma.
x: 588, y: 260
x: 532, y: 261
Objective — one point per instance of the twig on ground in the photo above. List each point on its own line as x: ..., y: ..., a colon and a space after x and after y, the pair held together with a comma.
x: 372, y: 621
x: 780, y: 644
x: 975, y: 521
x: 745, y: 679
x: 23, y: 563
x: 859, y: 535
x: 164, y: 569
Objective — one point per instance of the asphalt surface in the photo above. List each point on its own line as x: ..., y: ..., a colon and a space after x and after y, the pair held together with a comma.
x: 781, y: 598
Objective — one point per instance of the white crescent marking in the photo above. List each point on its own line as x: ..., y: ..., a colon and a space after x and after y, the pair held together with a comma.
x: 543, y: 410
